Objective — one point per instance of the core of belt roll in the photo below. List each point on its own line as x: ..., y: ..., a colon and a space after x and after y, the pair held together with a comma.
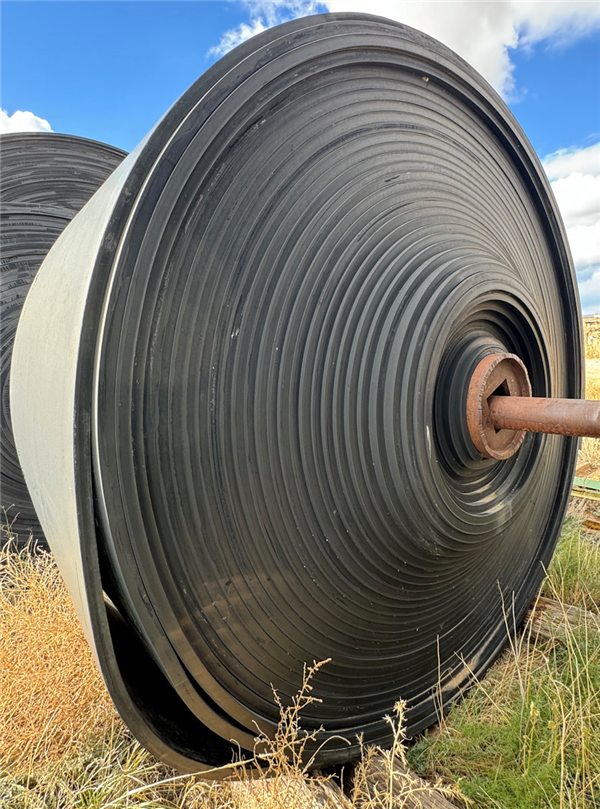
x: 256, y: 371
x: 45, y: 178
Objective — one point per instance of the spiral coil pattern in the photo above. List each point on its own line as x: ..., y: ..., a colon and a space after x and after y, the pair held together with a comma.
x: 45, y: 179
x: 52, y: 170
x: 296, y: 275
x: 26, y: 237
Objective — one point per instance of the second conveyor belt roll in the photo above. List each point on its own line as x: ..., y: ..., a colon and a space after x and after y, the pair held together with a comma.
x: 45, y: 178
x: 253, y: 379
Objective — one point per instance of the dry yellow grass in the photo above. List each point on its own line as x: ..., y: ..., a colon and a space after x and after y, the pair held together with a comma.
x: 64, y: 747
x: 591, y: 327
x: 52, y: 698
x: 590, y: 447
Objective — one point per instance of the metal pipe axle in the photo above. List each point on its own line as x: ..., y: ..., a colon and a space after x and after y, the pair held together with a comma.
x: 501, y: 409
x: 579, y: 417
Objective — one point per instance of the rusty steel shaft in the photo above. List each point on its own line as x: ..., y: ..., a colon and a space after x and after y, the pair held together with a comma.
x: 501, y: 409
x: 578, y: 417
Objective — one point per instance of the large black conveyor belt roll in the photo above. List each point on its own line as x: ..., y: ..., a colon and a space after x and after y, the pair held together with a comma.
x: 241, y: 383
x: 45, y: 179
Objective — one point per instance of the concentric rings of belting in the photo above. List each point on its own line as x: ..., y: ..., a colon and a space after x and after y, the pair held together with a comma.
x: 49, y: 169
x: 44, y: 180
x: 26, y: 236
x: 296, y: 275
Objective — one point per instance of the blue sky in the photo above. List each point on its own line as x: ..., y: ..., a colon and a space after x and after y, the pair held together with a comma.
x: 108, y: 70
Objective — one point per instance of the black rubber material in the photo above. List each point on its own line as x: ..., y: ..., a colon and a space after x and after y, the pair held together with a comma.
x: 297, y: 273
x: 26, y: 236
x: 45, y: 179
x: 52, y: 170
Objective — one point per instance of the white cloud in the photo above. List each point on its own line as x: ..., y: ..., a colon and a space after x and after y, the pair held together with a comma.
x: 578, y: 197
x: 235, y: 36
x: 265, y: 14
x: 573, y: 161
x: 481, y: 31
x: 21, y: 121
x: 562, y: 21
x: 584, y: 241
x: 575, y: 176
x: 277, y: 11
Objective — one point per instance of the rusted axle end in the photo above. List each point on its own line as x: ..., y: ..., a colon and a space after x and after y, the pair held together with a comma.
x: 501, y: 409
x: 536, y: 415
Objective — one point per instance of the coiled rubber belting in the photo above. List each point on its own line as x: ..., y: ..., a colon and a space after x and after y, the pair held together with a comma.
x: 49, y: 169
x: 45, y: 179
x: 263, y: 328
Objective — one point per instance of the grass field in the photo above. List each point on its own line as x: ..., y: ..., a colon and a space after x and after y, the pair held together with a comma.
x: 526, y: 737
x: 590, y: 449
x: 592, y: 337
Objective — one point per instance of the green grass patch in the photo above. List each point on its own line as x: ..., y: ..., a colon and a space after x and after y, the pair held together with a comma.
x: 528, y: 736
x: 574, y: 573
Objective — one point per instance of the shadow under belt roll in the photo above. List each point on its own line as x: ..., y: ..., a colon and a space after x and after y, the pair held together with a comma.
x: 45, y: 179
x: 255, y: 369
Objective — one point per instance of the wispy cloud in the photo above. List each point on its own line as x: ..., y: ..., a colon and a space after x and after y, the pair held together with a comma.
x: 575, y: 176
x: 21, y: 121
x: 569, y: 161
x: 235, y: 36
x: 265, y: 14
